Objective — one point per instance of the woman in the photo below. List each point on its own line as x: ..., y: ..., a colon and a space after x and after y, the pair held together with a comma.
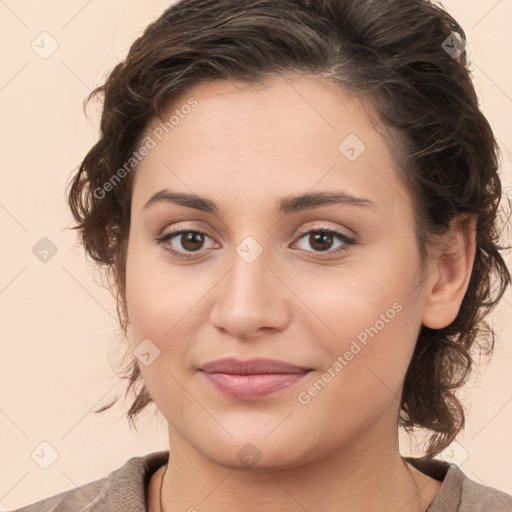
x: 297, y: 204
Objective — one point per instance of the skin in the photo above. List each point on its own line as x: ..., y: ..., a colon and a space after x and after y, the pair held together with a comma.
x: 245, y: 148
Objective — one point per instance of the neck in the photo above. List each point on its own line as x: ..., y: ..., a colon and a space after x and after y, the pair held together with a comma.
x: 351, y: 478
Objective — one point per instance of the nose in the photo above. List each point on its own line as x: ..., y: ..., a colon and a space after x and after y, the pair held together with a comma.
x: 252, y: 299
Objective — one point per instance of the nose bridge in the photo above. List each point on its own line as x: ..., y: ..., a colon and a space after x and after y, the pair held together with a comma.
x: 250, y: 296
x: 248, y: 282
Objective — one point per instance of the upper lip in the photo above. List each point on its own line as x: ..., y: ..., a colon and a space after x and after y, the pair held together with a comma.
x: 251, y: 366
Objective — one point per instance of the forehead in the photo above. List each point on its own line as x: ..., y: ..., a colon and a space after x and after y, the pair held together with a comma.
x: 294, y: 106
x: 291, y: 134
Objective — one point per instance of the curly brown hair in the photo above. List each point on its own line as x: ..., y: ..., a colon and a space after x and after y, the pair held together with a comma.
x: 406, y: 62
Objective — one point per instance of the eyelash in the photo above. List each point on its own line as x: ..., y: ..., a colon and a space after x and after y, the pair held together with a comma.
x: 347, y: 241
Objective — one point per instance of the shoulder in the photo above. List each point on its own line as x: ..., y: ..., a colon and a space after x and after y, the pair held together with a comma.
x: 123, y: 489
x: 458, y: 492
x: 476, y: 497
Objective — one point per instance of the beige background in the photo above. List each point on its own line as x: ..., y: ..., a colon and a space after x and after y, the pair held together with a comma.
x: 57, y: 324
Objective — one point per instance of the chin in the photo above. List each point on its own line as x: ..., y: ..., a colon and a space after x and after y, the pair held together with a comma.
x: 256, y: 455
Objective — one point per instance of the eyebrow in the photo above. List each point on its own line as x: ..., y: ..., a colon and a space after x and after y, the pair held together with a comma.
x: 285, y: 206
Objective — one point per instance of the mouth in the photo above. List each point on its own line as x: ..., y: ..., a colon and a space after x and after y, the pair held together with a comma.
x: 253, y: 379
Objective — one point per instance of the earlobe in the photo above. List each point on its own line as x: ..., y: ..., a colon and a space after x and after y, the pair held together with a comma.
x: 447, y: 283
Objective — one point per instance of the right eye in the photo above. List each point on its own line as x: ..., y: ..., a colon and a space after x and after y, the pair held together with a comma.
x: 191, y: 242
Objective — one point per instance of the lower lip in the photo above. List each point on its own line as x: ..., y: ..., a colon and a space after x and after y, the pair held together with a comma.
x: 252, y: 387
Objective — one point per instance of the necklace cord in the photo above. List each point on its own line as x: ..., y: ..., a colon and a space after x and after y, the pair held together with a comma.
x: 161, y: 487
x: 408, y: 469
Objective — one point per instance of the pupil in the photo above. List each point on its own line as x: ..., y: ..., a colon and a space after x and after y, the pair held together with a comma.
x: 195, y: 239
x: 321, y: 237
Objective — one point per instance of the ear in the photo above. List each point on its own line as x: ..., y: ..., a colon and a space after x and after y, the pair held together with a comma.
x: 448, y: 279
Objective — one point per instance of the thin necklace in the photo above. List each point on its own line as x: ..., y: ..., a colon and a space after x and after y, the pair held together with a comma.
x: 420, y: 507
x: 161, y: 487
x: 167, y: 466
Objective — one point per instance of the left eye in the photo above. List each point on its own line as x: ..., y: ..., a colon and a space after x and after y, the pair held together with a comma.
x: 191, y: 241
x: 320, y: 238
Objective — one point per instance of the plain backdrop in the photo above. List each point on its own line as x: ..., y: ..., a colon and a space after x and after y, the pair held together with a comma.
x: 59, y: 334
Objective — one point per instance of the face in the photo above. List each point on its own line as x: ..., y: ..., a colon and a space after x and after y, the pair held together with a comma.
x: 331, y: 290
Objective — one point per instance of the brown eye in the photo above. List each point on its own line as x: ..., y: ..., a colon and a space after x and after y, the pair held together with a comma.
x: 192, y: 240
x: 321, y: 240
x: 184, y: 242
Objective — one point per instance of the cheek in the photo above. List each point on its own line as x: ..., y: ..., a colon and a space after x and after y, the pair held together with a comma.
x: 159, y: 305
x: 373, y: 294
x: 165, y: 305
x: 157, y: 295
x: 363, y: 371
x: 373, y: 315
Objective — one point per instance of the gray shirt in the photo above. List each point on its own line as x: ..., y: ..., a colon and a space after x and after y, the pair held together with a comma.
x: 124, y: 490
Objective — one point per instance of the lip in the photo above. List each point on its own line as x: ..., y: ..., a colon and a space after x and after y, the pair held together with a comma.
x: 251, y: 367
x: 252, y: 379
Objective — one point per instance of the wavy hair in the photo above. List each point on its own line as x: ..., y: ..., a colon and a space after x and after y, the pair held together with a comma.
x: 405, y: 60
